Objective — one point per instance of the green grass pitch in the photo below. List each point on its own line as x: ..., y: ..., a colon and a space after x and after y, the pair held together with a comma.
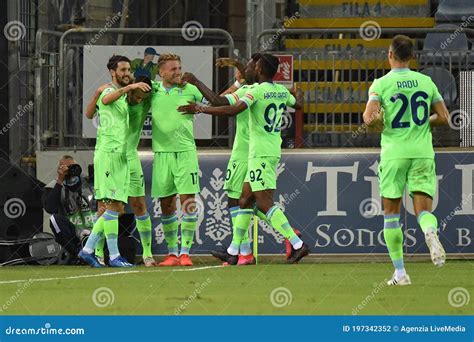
x: 208, y: 289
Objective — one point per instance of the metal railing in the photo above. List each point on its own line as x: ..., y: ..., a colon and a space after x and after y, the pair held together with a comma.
x: 45, y: 112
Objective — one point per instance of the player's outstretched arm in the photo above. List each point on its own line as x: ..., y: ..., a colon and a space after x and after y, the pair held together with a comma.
x: 372, y: 114
x: 194, y: 108
x: 116, y: 94
x: 441, y: 114
x: 212, y: 97
x: 91, y: 106
x: 231, y: 62
x: 232, y: 89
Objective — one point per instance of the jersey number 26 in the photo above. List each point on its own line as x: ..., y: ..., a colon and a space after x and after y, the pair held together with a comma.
x: 414, y: 104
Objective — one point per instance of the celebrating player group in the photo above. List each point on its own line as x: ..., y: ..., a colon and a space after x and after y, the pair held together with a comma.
x: 400, y: 101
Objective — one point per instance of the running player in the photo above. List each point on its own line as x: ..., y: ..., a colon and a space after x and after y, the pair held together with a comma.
x: 407, y: 155
x: 266, y: 103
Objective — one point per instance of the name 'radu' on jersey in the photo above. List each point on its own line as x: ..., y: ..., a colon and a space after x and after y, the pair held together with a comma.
x: 406, y: 97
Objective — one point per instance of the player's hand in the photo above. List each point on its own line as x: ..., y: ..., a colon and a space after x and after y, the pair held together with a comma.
x: 100, y: 208
x: 376, y: 121
x: 297, y: 93
x: 190, y: 108
x: 226, y: 62
x: 296, y: 90
x: 140, y: 85
x: 189, y: 78
x: 101, y: 89
x: 378, y: 125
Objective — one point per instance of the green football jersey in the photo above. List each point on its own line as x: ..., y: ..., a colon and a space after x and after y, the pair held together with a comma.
x: 137, y: 114
x: 267, y: 102
x: 406, y: 97
x: 113, y: 124
x: 172, y: 131
x: 240, y: 150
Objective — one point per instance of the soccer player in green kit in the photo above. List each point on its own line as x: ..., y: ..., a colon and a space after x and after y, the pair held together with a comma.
x: 111, y: 167
x: 237, y: 165
x: 407, y: 155
x: 175, y: 163
x: 266, y: 103
x: 138, y: 102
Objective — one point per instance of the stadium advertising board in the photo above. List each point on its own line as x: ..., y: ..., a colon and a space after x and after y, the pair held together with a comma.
x: 333, y: 198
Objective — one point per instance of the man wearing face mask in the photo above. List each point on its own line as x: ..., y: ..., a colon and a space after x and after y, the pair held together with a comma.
x: 70, y: 201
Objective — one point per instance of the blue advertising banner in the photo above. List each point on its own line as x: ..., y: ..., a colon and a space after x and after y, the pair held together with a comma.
x: 255, y: 328
x: 333, y: 199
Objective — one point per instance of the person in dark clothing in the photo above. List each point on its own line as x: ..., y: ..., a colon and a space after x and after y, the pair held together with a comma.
x: 70, y: 201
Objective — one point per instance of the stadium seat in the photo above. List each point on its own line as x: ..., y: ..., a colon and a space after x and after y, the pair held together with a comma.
x: 455, y: 11
x: 442, y: 47
x: 439, y: 41
x: 445, y: 82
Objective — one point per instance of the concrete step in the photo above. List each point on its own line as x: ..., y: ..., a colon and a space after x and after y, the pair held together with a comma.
x: 364, y: 8
x: 339, y: 45
x: 353, y: 63
x: 336, y: 92
x: 361, y: 22
x: 333, y: 108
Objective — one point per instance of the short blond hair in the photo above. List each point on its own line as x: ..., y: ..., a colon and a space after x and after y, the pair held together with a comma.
x: 168, y: 57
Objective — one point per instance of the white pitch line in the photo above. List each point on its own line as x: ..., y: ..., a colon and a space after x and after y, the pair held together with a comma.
x: 196, y: 268
x: 105, y: 274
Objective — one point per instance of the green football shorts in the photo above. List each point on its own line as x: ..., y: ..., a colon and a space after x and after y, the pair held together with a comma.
x: 261, y: 173
x: 419, y: 175
x: 111, y: 176
x: 234, y: 177
x: 137, y: 183
x: 175, y: 173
